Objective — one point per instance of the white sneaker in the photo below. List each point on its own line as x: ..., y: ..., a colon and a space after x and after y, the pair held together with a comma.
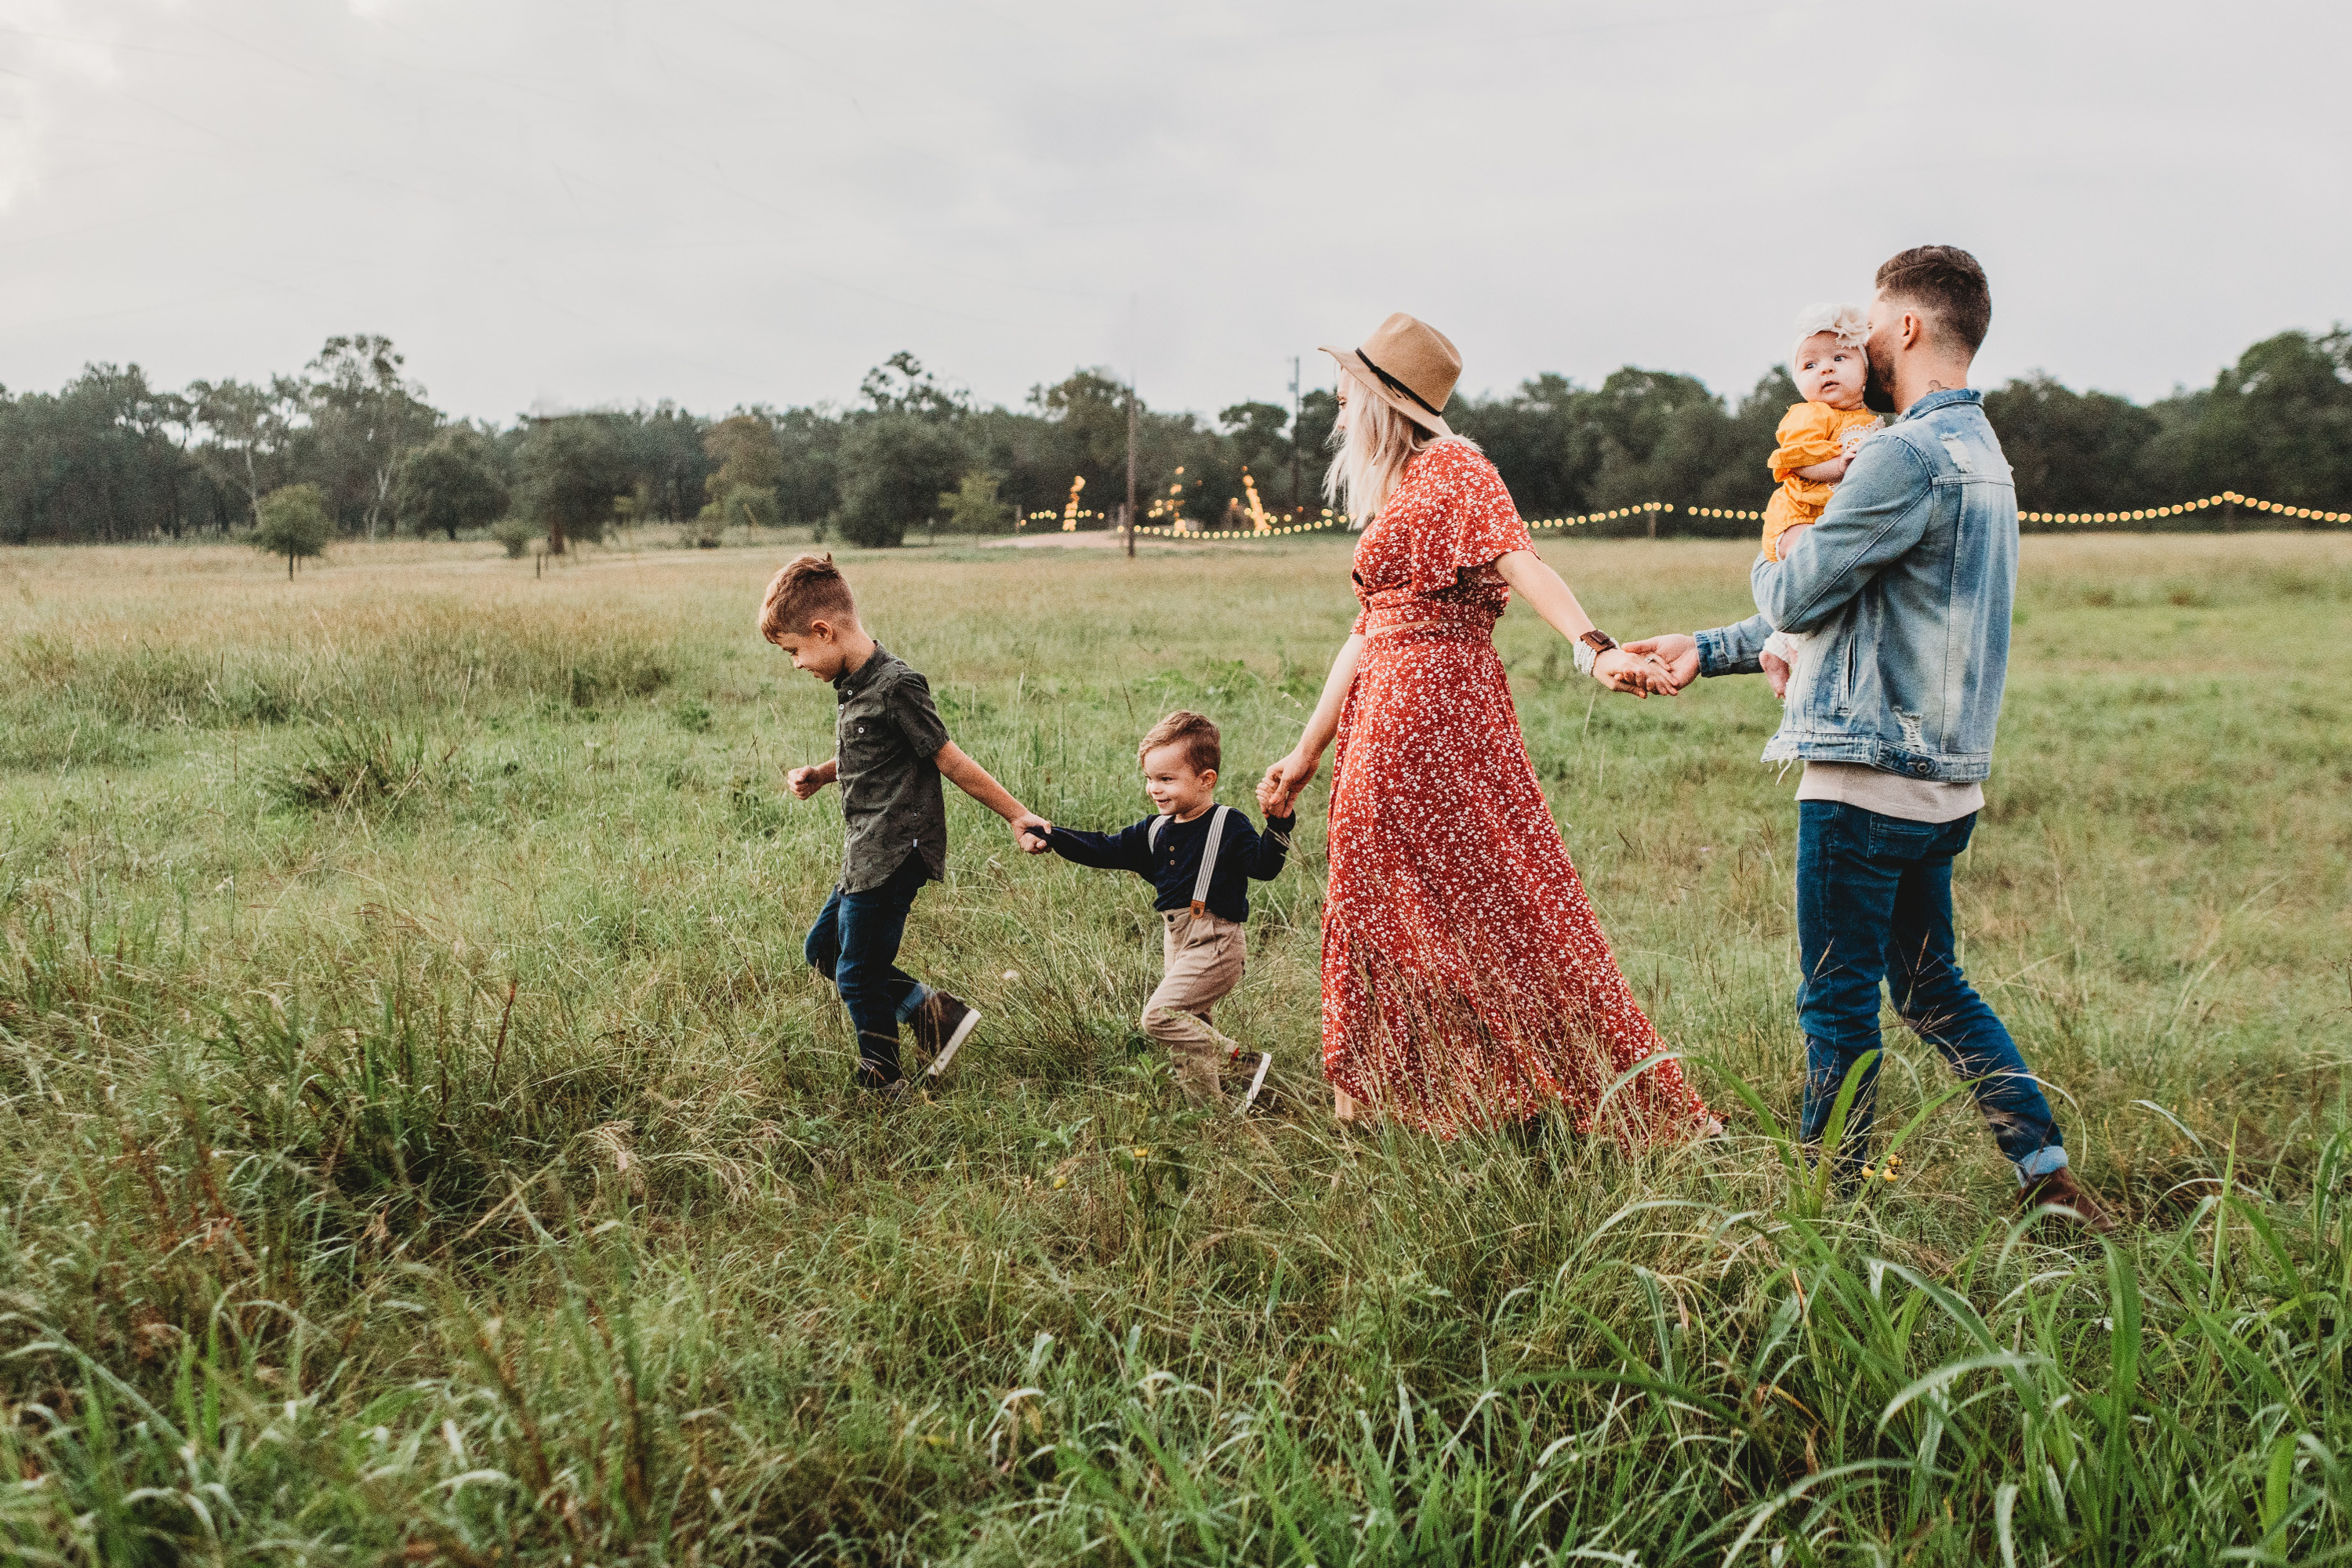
x: 944, y: 1022
x: 1256, y: 1084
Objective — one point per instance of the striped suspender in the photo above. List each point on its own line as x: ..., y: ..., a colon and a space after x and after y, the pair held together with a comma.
x: 1208, y: 858
x: 1208, y: 852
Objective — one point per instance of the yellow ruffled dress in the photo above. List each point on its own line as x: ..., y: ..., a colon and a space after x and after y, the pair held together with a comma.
x: 1809, y: 433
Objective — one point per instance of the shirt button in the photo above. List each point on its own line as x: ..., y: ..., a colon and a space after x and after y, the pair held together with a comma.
x: 1919, y: 768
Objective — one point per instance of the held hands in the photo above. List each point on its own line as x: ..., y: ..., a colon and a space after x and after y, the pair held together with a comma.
x: 1676, y: 652
x: 1032, y: 832
x: 1277, y: 793
x: 1635, y: 669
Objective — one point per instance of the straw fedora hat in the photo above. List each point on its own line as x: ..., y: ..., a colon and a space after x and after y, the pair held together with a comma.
x: 1409, y: 364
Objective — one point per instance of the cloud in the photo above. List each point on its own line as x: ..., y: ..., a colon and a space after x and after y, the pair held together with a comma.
x: 47, y: 50
x: 732, y: 201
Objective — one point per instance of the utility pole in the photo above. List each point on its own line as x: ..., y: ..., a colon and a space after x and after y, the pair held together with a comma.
x: 1297, y: 501
x: 1131, y: 423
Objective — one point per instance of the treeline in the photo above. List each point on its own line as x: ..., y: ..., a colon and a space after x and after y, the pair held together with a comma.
x: 108, y: 457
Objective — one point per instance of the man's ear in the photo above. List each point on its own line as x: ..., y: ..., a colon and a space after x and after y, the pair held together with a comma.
x: 820, y: 630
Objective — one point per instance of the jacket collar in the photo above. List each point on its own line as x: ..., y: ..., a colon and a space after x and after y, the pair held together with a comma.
x: 1944, y: 399
x: 850, y: 682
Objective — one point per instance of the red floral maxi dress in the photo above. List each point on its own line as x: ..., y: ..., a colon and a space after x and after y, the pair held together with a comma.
x: 1465, y: 982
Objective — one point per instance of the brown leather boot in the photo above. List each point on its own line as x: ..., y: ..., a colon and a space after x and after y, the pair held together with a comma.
x: 2078, y: 1207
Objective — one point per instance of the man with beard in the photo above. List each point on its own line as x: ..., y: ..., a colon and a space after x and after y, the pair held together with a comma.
x: 1906, y: 584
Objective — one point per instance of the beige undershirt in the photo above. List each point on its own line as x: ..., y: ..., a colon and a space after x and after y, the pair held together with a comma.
x: 1889, y: 794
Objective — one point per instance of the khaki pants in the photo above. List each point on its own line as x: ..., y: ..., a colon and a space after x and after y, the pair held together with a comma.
x: 1202, y: 954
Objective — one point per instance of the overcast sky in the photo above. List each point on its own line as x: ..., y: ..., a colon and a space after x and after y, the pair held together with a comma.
x: 568, y: 203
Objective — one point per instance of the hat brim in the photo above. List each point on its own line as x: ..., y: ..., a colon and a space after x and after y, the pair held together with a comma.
x: 1353, y: 364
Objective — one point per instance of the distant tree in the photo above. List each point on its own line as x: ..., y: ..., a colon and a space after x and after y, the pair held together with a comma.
x: 448, y: 484
x: 900, y: 384
x: 808, y: 487
x: 1318, y: 415
x: 251, y: 429
x: 2072, y: 451
x: 363, y: 416
x: 1662, y: 438
x: 1540, y: 438
x: 750, y: 467
x: 1253, y: 437
x: 2276, y: 424
x: 170, y: 421
x: 292, y: 521
x: 575, y: 467
x: 1742, y: 479
x: 1085, y: 437
x: 1091, y: 407
x: 671, y: 463
x: 896, y: 463
x: 97, y: 461
x: 1256, y: 429
x: 972, y: 507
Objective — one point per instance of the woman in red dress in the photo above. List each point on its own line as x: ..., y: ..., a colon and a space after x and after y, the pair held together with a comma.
x: 1465, y: 982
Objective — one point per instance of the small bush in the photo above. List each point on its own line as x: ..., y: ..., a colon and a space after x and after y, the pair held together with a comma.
x: 293, y: 523
x: 353, y: 767
x: 516, y: 534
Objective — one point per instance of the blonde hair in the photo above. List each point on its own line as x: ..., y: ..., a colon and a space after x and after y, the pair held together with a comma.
x: 1372, y: 452
x: 808, y: 588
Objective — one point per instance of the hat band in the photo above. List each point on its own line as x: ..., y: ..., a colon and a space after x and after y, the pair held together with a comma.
x: 1393, y: 385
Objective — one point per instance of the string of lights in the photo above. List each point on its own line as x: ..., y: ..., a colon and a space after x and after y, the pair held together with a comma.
x: 1330, y: 519
x: 2226, y: 498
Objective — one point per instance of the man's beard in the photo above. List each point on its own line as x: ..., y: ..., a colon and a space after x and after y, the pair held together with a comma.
x: 1878, y: 384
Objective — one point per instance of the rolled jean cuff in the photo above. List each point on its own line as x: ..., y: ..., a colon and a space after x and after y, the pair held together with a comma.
x: 2041, y: 1162
x: 914, y: 1001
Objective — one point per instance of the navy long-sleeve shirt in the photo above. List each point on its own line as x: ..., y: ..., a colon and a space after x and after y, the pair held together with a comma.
x: 1173, y: 865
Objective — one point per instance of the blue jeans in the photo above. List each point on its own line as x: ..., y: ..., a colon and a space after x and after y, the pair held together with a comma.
x: 854, y: 944
x: 1874, y: 902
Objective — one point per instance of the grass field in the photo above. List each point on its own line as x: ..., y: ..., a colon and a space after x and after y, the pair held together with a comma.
x: 422, y: 1140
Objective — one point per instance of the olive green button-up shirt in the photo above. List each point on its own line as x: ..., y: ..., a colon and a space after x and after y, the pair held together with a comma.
x: 886, y: 742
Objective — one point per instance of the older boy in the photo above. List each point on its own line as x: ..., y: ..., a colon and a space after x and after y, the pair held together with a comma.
x: 891, y: 750
x: 1201, y: 857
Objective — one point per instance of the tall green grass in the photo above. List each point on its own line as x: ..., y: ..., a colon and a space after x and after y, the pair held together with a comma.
x: 419, y: 1138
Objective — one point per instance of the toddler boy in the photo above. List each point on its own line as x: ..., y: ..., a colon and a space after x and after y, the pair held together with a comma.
x: 1200, y: 856
x: 890, y: 751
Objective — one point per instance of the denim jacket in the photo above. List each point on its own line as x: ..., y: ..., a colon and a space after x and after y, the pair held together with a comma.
x: 1906, y: 584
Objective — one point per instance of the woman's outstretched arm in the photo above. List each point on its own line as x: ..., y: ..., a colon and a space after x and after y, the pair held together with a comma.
x: 1279, y: 789
x: 1555, y: 601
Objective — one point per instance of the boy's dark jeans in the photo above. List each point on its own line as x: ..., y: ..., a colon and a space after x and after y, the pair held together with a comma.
x: 1874, y: 902
x: 854, y: 944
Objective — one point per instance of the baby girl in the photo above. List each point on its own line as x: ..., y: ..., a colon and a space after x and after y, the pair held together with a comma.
x: 1817, y: 440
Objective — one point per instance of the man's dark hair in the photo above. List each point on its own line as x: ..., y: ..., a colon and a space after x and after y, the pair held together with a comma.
x: 1948, y: 283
